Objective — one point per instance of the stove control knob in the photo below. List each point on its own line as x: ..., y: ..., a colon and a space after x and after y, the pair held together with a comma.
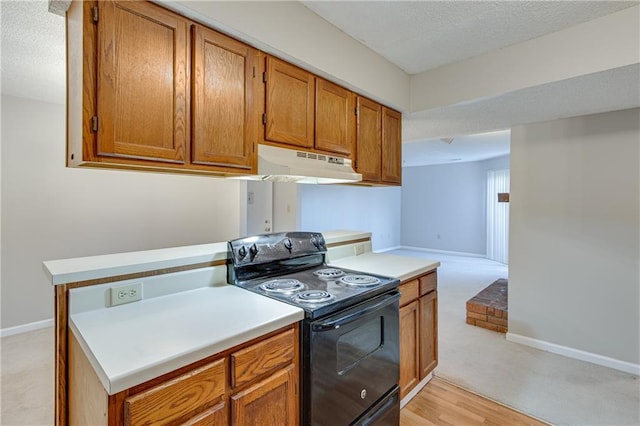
x: 242, y: 252
x: 363, y: 394
x: 315, y: 241
x: 253, y: 249
x: 288, y: 244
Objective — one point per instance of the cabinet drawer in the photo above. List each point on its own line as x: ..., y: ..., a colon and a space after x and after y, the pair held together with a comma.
x: 172, y: 401
x: 262, y: 358
x: 408, y: 292
x: 428, y: 283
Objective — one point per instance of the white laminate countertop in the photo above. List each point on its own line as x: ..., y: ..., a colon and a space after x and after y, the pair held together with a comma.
x: 130, y: 344
x: 331, y: 237
x: 390, y: 265
x: 110, y: 265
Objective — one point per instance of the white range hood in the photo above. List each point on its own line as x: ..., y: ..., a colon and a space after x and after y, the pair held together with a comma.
x: 292, y: 165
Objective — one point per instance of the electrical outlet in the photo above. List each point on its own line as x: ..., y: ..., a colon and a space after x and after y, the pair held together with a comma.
x: 126, y: 293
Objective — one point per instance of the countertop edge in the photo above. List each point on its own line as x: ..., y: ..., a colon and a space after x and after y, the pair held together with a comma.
x: 65, y: 271
x: 416, y: 272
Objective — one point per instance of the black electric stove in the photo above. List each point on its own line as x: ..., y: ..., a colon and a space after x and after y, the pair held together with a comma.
x: 291, y: 267
x: 350, y: 334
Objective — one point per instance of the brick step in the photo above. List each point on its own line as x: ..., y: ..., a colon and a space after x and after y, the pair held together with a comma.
x: 488, y: 309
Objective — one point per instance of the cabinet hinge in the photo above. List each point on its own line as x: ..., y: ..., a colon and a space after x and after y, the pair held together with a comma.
x: 355, y: 110
x: 94, y: 10
x: 264, y: 77
x: 264, y: 118
x: 94, y: 123
x: 254, y: 72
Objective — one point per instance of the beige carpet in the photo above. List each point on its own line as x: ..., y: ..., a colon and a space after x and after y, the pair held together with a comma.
x: 27, y: 379
x: 550, y: 387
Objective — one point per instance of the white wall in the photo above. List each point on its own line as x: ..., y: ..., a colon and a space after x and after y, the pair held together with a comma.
x: 289, y: 30
x: 574, y: 277
x: 286, y: 214
x: 52, y: 212
x: 370, y: 209
x: 444, y: 206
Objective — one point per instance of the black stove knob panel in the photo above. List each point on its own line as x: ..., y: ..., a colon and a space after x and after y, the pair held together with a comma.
x: 288, y: 244
x: 242, y: 252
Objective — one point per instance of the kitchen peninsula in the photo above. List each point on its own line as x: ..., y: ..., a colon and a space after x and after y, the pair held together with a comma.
x: 232, y: 351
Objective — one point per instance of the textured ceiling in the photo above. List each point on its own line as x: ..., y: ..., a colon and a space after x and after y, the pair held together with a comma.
x: 456, y: 150
x: 33, y: 51
x: 421, y: 35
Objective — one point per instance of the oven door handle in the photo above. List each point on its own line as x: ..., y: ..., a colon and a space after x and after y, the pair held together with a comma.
x: 337, y: 323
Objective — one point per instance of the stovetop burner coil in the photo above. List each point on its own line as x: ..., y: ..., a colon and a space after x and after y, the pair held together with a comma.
x: 329, y: 273
x: 314, y: 296
x: 283, y: 285
x: 359, y: 280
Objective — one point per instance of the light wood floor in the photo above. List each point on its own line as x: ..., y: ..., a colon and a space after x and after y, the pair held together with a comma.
x: 442, y: 403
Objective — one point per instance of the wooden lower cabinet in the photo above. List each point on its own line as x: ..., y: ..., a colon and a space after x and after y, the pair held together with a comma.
x: 216, y: 415
x: 272, y: 402
x: 179, y: 398
x: 253, y: 384
x: 418, y: 330
x: 428, y: 307
x: 409, y: 348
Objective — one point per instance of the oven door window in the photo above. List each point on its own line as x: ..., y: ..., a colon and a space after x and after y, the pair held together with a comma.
x: 359, y: 343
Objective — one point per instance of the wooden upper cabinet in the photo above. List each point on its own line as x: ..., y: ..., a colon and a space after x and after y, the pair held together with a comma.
x: 379, y: 143
x: 290, y: 99
x: 141, y: 82
x: 391, y: 146
x: 335, y: 118
x: 369, y: 140
x: 224, y: 123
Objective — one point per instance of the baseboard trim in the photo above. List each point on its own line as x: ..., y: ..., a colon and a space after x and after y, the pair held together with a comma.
x: 458, y: 253
x: 24, y: 328
x: 408, y: 397
x: 604, y: 361
x: 387, y: 249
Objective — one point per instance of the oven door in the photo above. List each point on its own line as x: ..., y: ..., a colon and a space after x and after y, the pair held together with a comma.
x: 353, y: 361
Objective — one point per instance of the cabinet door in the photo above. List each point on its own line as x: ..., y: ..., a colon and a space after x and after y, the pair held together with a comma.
x: 335, y: 118
x: 428, y: 333
x: 271, y: 402
x: 290, y: 99
x: 224, y: 120
x: 368, y: 140
x: 142, y: 82
x: 391, y: 146
x: 409, y: 357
